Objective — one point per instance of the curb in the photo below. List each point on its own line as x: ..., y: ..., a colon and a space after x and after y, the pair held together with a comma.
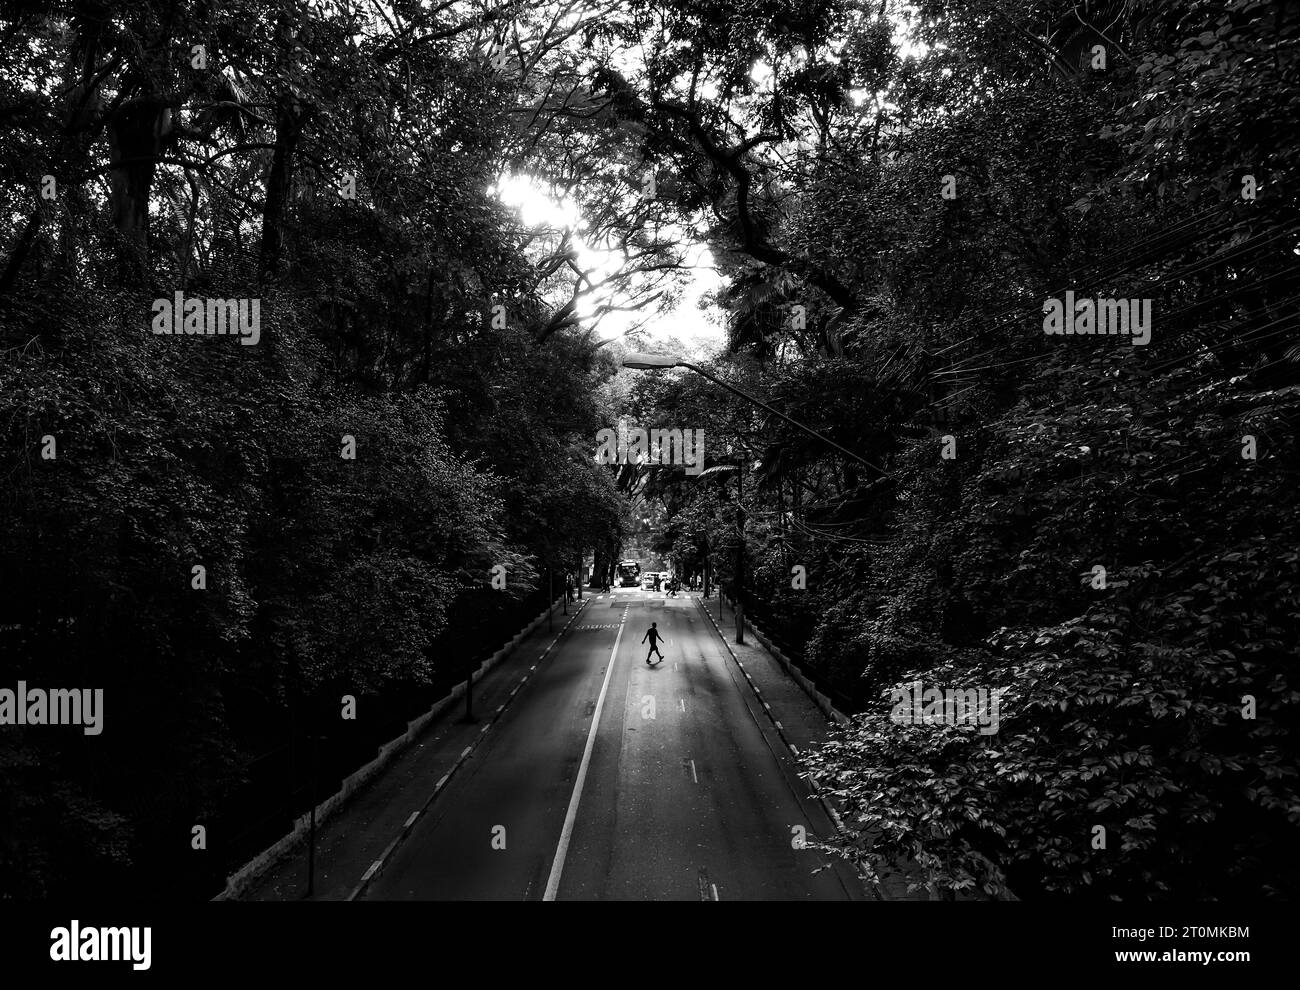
x: 252, y: 871
x: 821, y: 700
x: 827, y: 803
x: 377, y: 867
x: 822, y: 703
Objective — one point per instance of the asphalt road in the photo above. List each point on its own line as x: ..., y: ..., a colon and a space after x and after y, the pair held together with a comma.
x: 682, y: 791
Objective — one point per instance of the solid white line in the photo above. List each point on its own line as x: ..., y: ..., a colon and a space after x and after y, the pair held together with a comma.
x: 682, y: 701
x: 571, y: 816
x: 697, y: 779
x: 715, y: 890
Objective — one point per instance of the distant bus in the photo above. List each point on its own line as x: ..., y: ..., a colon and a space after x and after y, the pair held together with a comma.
x: 629, y: 573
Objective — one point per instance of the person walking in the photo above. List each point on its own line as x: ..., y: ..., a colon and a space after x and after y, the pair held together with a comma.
x: 652, y: 634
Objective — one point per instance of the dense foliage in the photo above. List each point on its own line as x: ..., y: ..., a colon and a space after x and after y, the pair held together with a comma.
x: 325, y: 575
x: 1008, y: 464
x: 891, y: 192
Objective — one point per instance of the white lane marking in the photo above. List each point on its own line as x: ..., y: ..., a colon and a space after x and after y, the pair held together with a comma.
x: 714, y: 886
x: 571, y: 816
x: 682, y: 702
x: 465, y: 752
x: 697, y: 779
x: 414, y: 816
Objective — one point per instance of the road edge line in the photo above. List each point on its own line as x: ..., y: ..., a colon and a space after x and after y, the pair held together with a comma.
x: 828, y: 804
x: 377, y: 867
x: 571, y: 814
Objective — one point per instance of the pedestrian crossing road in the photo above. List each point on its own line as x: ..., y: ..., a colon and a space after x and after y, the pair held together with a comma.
x: 608, y: 779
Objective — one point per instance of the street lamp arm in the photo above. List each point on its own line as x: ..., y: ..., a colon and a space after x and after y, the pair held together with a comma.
x: 777, y: 412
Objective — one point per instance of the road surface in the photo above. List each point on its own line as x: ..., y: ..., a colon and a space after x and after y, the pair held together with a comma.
x: 608, y: 779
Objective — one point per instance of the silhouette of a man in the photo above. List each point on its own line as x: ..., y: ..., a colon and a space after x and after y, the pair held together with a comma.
x: 652, y: 634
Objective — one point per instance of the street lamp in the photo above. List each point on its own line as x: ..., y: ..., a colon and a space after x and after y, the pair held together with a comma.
x: 659, y: 362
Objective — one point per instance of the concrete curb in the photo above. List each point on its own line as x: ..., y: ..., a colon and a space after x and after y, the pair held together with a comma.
x: 377, y: 867
x: 828, y: 803
x: 238, y: 883
x: 822, y: 702
x: 810, y: 689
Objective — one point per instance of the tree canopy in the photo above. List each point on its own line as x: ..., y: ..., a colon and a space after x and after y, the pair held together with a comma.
x: 890, y: 193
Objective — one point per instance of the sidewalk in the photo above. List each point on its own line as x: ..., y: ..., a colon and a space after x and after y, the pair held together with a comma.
x: 351, y: 843
x: 801, y: 723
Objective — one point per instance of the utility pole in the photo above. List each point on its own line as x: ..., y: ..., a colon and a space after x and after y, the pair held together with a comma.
x: 469, y: 692
x: 311, y: 837
x: 739, y: 607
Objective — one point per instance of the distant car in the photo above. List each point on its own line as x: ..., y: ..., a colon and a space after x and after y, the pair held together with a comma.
x: 648, y: 580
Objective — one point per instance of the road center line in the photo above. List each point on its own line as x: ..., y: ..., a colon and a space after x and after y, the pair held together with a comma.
x: 571, y: 816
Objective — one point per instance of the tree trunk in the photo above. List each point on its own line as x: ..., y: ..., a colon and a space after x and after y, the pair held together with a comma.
x: 289, y: 121
x: 137, y: 134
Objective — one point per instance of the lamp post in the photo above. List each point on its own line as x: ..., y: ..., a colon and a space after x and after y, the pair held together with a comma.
x: 311, y: 839
x: 661, y: 362
x: 739, y: 607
